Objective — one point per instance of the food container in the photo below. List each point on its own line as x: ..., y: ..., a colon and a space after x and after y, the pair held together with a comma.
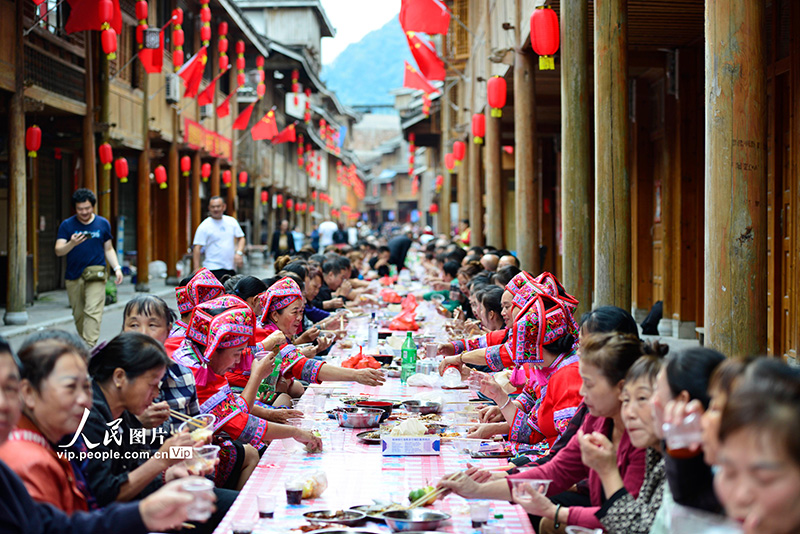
x: 422, y: 407
x: 200, y: 434
x: 539, y: 485
x: 360, y: 418
x: 415, y: 519
x: 378, y: 405
x: 342, y: 517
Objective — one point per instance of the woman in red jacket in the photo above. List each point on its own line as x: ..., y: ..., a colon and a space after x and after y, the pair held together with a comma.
x: 604, y: 362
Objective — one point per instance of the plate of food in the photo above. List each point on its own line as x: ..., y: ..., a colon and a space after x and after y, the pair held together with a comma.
x: 341, y: 517
x: 374, y: 511
x: 370, y: 437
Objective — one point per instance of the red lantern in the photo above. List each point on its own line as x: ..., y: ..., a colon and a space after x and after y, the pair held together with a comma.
x: 279, y: 200
x: 243, y: 179
x: 449, y: 161
x: 289, y: 204
x: 226, y: 177
x: 222, y: 46
x: 177, y: 37
x: 205, y: 14
x: 261, y: 89
x: 140, y: 33
x: 106, y: 155
x: 496, y: 94
x: 313, y: 195
x: 177, y: 58
x: 264, y: 197
x: 295, y: 87
x: 545, y: 36
x: 222, y: 29
x: 311, y: 208
x: 141, y: 11
x: 240, y: 47
x: 439, y: 182
x: 186, y: 165
x: 105, y: 11
x: 459, y: 150
x: 205, y: 171
x: 121, y: 168
x: 177, y: 16
x: 223, y: 62
x: 434, y: 208
x: 240, y: 63
x: 240, y: 78
x: 478, y: 128
x: 161, y: 177
x: 205, y: 33
x: 33, y: 140
x: 260, y: 62
x: 109, y: 41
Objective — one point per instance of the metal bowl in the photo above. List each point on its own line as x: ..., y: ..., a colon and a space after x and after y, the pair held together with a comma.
x: 421, y: 407
x: 360, y: 418
x: 352, y: 517
x: 386, y: 406
x: 415, y: 519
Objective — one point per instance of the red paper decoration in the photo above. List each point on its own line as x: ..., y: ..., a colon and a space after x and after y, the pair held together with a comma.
x: 223, y: 45
x: 177, y: 37
x: 161, y: 176
x: 264, y: 197
x: 261, y: 89
x: 459, y: 150
x: 121, y: 168
x: 105, y: 11
x: 478, y: 128
x: 434, y: 208
x: 33, y: 140
x: 108, y: 39
x: 289, y: 204
x: 205, y: 14
x: 242, y: 179
x: 141, y: 11
x: 260, y: 62
x: 106, y: 155
x: 240, y: 47
x: 177, y: 16
x: 205, y: 34
x: 240, y: 63
x: 279, y: 200
x: 222, y: 29
x: 205, y: 171
x: 311, y: 208
x: 177, y: 59
x: 496, y: 95
x: 449, y: 161
x: 226, y: 177
x: 240, y: 78
x: 223, y: 61
x: 205, y: 18
x: 439, y: 183
x: 186, y: 165
x: 545, y: 36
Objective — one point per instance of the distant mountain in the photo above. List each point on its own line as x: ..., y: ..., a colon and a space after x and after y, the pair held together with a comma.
x: 366, y: 71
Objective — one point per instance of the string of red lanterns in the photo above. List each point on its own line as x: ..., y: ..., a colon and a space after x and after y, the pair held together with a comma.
x: 222, y: 46
x: 240, y: 63
x: 205, y: 18
x: 177, y: 37
x: 141, y: 21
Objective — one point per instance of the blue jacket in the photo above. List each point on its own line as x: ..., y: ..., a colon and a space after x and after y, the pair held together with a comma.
x: 21, y: 514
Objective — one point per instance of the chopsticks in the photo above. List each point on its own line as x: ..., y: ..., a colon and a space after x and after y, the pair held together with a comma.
x: 435, y: 494
x: 187, y: 419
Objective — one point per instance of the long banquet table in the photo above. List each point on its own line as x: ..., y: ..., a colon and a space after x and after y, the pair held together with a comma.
x: 359, y: 473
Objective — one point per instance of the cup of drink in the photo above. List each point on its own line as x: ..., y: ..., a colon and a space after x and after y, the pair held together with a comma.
x: 319, y: 403
x: 683, y: 437
x: 203, y: 458
x: 430, y: 350
x: 266, y: 506
x: 338, y: 438
x: 242, y: 526
x: 199, y: 489
x: 479, y: 513
x: 294, y: 492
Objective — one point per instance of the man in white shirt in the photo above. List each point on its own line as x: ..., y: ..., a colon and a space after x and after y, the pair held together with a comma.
x: 326, y: 231
x: 221, y: 239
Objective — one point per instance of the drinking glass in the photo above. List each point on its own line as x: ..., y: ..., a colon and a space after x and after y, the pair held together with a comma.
x: 200, y: 509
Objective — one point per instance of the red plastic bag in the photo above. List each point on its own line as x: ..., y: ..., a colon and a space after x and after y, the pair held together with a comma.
x: 409, y: 303
x: 390, y: 296
x: 405, y: 321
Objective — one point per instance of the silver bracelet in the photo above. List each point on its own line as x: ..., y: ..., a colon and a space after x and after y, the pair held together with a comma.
x: 508, y: 399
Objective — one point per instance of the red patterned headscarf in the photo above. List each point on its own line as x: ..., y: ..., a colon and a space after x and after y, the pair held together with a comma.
x: 203, y: 287
x: 525, y: 289
x: 182, y: 296
x: 280, y: 295
x: 233, y: 327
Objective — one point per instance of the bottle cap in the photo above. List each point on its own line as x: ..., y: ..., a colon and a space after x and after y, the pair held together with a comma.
x: 498, y: 516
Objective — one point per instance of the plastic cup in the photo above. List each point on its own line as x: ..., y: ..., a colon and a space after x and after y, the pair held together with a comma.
x: 319, y: 404
x: 540, y: 485
x: 430, y: 350
x: 479, y: 513
x: 294, y: 492
x: 204, y: 457
x: 295, y: 402
x: 682, y: 437
x: 338, y: 438
x: 243, y: 527
x: 200, y: 509
x: 266, y: 506
x: 200, y: 434
x: 583, y: 530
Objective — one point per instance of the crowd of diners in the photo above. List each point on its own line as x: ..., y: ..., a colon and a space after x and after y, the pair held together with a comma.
x: 582, y: 401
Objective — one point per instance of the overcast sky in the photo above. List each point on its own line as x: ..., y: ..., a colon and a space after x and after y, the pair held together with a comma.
x: 353, y: 19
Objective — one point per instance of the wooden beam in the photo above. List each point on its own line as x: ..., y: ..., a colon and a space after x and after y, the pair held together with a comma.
x: 576, y: 179
x: 736, y: 177
x: 493, y: 162
x: 17, y: 203
x: 89, y: 161
x: 612, y: 250
x: 173, y: 204
x: 526, y: 176
x: 143, y: 199
x: 475, y: 182
x: 104, y: 175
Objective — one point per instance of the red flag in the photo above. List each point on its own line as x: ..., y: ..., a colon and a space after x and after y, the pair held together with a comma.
x: 414, y: 80
x: 243, y: 119
x: 426, y: 16
x: 207, y: 96
x: 84, y: 16
x: 266, y: 128
x: 224, y: 109
x: 288, y: 134
x: 192, y: 73
x: 153, y: 59
x: 425, y: 55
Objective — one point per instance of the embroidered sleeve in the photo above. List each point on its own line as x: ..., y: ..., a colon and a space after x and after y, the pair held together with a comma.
x: 497, y: 357
x: 477, y: 343
x: 459, y: 346
x: 526, y: 400
x: 524, y: 428
x: 252, y: 427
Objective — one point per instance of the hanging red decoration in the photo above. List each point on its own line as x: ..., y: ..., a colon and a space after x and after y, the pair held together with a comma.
x: 261, y: 89
x: 279, y: 200
x: 240, y: 63
x: 311, y: 208
x: 205, y: 34
x: 105, y: 11
x: 121, y: 168
x: 108, y: 39
x: 223, y: 45
x: 205, y: 14
x: 478, y: 128
x: 141, y: 11
x: 222, y: 29
x: 177, y: 37
x: 240, y: 47
x: 439, y: 183
x: 459, y: 151
x: 205, y: 18
x: 314, y: 195
x: 545, y: 36
x: 264, y: 197
x: 161, y: 177
x: 243, y: 179
x: 223, y: 62
x: 186, y: 165
x: 177, y: 59
x: 449, y: 161
x: 106, y: 155
x: 260, y: 62
x: 177, y: 16
x: 240, y: 78
x: 289, y: 204
x: 496, y: 94
x: 226, y: 177
x: 33, y: 140
x: 205, y: 171
x: 434, y: 208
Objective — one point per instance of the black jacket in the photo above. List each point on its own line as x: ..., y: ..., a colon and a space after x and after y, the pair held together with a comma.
x: 276, y: 239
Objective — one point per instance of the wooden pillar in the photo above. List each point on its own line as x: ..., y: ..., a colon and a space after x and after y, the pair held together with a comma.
x: 143, y: 200
x: 462, y: 185
x: 89, y: 160
x: 612, y: 250
x: 736, y: 177
x: 576, y: 213
x: 195, y: 208
x: 475, y: 196
x: 104, y: 175
x: 173, y: 203
x: 493, y: 163
x: 232, y: 190
x: 231, y: 193
x: 445, y: 199
x: 33, y: 221
x: 526, y: 176
x: 215, y: 178
x: 17, y: 203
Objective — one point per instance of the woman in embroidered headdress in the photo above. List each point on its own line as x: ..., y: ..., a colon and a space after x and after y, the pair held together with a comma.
x: 202, y: 287
x: 219, y: 331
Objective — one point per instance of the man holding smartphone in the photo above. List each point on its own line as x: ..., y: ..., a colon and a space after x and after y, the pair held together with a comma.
x: 85, y: 239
